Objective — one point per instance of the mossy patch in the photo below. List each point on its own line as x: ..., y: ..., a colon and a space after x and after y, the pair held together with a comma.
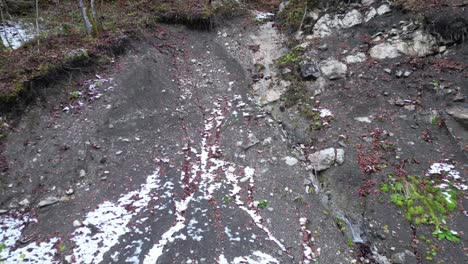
x: 424, y: 202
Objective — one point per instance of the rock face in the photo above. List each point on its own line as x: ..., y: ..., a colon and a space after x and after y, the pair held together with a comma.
x: 419, y: 44
x: 460, y: 114
x: 326, y: 158
x: 333, y: 69
x: 309, y: 69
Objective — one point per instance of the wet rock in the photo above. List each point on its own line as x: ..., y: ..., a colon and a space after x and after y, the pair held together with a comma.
x: 48, y: 201
x: 406, y: 257
x: 460, y: 114
x: 356, y: 58
x: 326, y: 158
x: 384, y: 51
x: 351, y: 19
x: 309, y: 69
x: 333, y: 69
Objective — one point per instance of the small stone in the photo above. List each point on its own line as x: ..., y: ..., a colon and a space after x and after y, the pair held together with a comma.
x: 48, y: 201
x: 333, y: 69
x: 309, y: 69
x: 326, y: 158
x: 399, y: 73
x: 406, y: 257
x: 383, y: 9
x: 407, y: 73
x: 76, y: 223
x: 356, y: 58
x: 70, y: 191
x: 3, y: 211
x: 410, y: 107
x: 323, y: 47
x: 119, y: 152
x: 364, y: 119
x: 459, y: 97
x: 387, y: 70
x: 399, y: 102
x: 25, y: 202
x: 291, y: 161
x: 82, y: 173
x: 69, y: 259
x: 384, y: 51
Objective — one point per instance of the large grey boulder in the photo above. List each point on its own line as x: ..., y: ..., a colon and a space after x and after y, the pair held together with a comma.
x: 326, y: 158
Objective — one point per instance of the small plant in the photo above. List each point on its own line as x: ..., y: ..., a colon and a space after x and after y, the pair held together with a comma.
x: 450, y: 235
x: 263, y: 204
x: 350, y: 243
x: 340, y: 224
x: 226, y: 200
x: 431, y: 253
x: 75, y: 95
x: 289, y: 58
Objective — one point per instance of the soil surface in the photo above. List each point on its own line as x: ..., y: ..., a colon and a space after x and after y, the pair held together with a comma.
x: 175, y: 154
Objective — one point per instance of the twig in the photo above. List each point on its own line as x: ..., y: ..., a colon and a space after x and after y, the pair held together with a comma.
x: 303, y: 17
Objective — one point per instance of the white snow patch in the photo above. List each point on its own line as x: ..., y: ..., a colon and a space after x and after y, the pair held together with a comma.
x: 440, y: 168
x: 110, y: 220
x: 257, y: 257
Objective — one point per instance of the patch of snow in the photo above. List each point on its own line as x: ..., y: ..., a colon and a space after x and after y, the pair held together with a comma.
x: 441, y: 168
x: 262, y: 16
x: 13, y: 34
x: 257, y: 257
x: 109, y: 221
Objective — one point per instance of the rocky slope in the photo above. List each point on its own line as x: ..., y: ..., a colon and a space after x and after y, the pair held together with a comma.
x: 328, y: 132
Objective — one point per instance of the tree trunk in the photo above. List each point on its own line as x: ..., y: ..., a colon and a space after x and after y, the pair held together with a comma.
x: 84, y: 12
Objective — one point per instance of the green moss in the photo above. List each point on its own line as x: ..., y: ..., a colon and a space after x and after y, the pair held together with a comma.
x: 423, y: 202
